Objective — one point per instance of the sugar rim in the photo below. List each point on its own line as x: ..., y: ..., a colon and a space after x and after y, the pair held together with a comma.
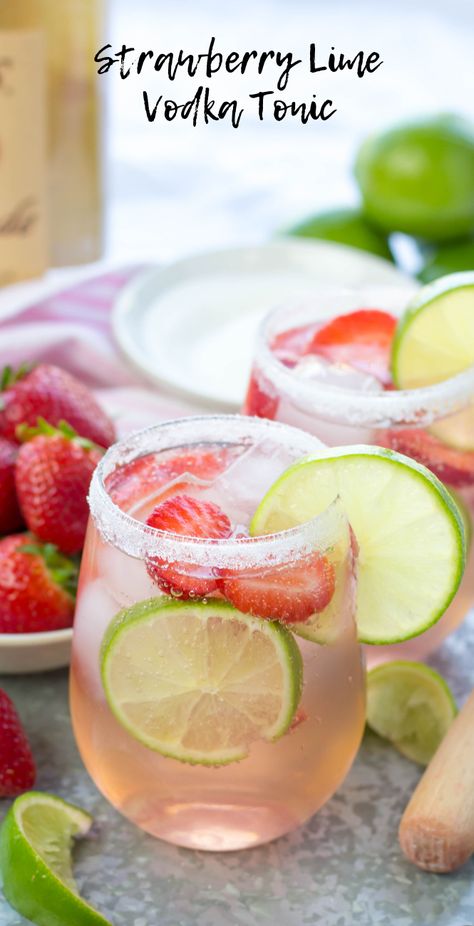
x: 419, y: 407
x: 138, y: 540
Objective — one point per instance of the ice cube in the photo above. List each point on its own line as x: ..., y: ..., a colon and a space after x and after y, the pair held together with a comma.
x: 124, y: 578
x: 241, y: 487
x: 95, y: 609
x: 318, y: 370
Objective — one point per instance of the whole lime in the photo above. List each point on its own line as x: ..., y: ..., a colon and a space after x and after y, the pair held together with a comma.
x: 418, y: 178
x: 346, y: 226
x: 448, y: 258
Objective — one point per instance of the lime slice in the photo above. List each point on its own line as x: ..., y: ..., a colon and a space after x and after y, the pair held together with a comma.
x: 199, y: 682
x: 327, y: 626
x: 410, y: 705
x: 346, y: 226
x: 408, y: 529
x: 466, y: 516
x: 434, y: 340
x: 35, y: 861
x: 435, y: 337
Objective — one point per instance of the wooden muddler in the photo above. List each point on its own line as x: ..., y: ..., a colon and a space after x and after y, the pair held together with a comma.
x: 437, y: 828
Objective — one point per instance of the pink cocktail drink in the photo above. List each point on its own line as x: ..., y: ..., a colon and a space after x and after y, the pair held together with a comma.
x: 217, y: 691
x: 324, y: 367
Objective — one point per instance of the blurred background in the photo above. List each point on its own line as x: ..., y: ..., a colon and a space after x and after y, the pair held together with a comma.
x: 170, y: 188
x: 173, y: 189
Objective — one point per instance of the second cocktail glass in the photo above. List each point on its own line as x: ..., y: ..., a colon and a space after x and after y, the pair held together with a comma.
x: 341, y: 406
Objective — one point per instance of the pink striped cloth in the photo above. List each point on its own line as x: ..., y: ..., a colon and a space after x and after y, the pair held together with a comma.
x: 72, y: 329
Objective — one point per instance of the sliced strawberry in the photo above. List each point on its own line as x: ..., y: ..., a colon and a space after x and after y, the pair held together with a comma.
x: 290, y: 345
x: 291, y: 593
x: 10, y: 515
x: 132, y: 482
x: 37, y: 586
x: 17, y: 767
x: 188, y: 517
x: 52, y: 476
x: 50, y: 392
x: 362, y: 339
x: 259, y: 401
x: 455, y: 467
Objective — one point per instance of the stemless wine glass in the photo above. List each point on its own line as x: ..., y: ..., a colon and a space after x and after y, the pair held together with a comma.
x: 338, y: 410
x: 202, y: 720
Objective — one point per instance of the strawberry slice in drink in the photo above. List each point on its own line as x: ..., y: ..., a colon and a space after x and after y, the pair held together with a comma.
x: 361, y: 339
x: 293, y: 343
x: 258, y: 401
x: 129, y: 483
x: 290, y: 593
x: 454, y: 467
x: 189, y: 517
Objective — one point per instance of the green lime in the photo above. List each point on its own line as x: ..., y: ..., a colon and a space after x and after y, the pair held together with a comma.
x: 409, y: 533
x: 36, y: 839
x: 200, y: 681
x: 434, y: 340
x: 346, y: 226
x: 448, y: 258
x: 418, y: 178
x: 410, y: 705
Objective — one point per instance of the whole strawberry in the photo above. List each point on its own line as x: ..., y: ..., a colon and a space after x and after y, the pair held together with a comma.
x: 37, y: 586
x: 17, y: 767
x: 10, y: 514
x: 49, y: 392
x: 52, y: 475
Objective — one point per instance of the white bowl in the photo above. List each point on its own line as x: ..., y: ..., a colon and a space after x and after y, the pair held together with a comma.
x: 34, y: 652
x: 190, y: 327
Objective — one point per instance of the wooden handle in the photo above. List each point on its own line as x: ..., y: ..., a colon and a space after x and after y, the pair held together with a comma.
x: 437, y: 828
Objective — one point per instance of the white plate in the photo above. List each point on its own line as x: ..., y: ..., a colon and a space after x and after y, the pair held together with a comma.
x: 34, y: 652
x: 190, y: 327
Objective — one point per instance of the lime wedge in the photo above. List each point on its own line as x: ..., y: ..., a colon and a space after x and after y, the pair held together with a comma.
x: 434, y: 340
x: 200, y: 681
x: 35, y: 861
x: 409, y: 532
x: 410, y: 705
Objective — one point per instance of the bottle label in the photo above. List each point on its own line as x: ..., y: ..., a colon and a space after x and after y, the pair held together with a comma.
x: 23, y: 182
